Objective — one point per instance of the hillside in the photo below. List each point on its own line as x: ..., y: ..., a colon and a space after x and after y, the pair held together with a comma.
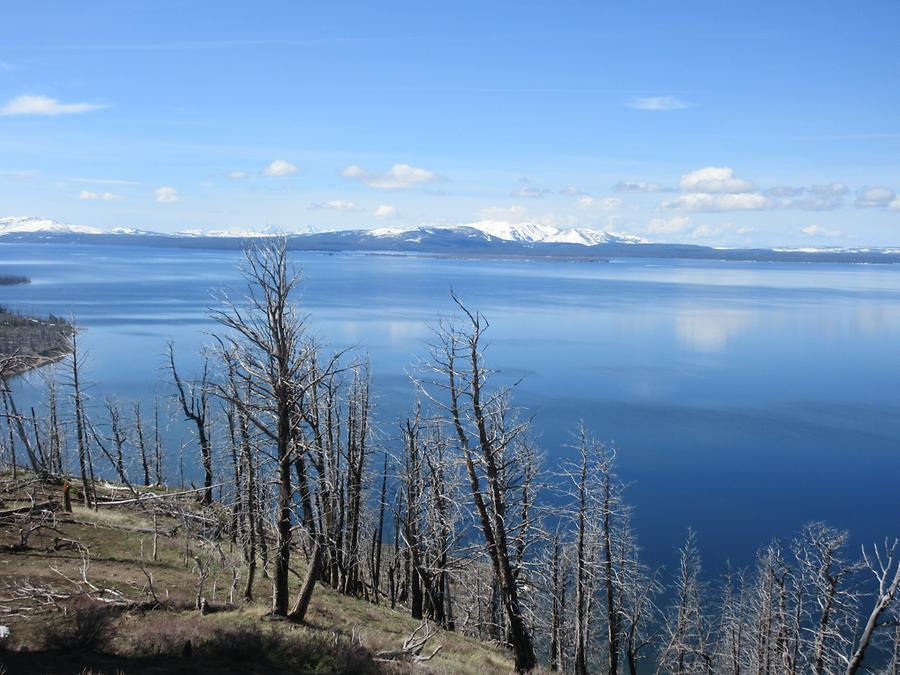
x: 98, y: 590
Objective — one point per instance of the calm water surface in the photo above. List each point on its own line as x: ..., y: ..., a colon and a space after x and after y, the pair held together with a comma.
x: 745, y: 398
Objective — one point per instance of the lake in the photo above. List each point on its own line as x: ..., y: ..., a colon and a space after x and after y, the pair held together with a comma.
x: 745, y: 398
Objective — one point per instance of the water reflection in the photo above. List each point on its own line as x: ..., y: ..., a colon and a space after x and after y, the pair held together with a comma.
x: 709, y: 329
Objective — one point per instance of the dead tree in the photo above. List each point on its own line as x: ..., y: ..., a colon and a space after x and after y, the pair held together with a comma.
x: 141, y: 442
x: 377, y: 547
x: 194, y: 400
x: 487, y: 438
x: 117, y: 436
x: 830, y: 612
x: 686, y: 628
x: 54, y: 428
x: 85, y: 463
x: 885, y: 567
x: 157, y: 444
x: 638, y: 589
x: 265, y: 345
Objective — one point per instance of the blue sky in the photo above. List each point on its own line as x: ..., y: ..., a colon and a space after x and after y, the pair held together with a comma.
x: 726, y: 123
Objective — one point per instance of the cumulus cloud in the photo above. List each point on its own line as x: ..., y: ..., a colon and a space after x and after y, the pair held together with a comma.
x: 238, y: 175
x: 166, y: 194
x: 385, y: 211
x: 714, y: 179
x: 100, y: 196
x: 657, y: 103
x: 398, y: 177
x: 279, y: 168
x: 874, y: 197
x: 637, y: 186
x: 584, y: 201
x: 334, y: 205
x: 44, y: 105
x: 895, y: 205
x: 572, y: 191
x: 704, y: 201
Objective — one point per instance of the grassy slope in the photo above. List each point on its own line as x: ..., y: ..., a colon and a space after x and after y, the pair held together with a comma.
x: 115, y: 553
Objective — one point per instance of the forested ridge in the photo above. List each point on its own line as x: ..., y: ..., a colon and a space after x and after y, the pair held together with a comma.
x: 450, y: 529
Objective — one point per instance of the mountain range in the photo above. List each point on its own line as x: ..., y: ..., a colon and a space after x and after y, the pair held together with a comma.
x: 480, y: 239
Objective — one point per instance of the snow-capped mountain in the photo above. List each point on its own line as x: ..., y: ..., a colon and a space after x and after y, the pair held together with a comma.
x: 480, y: 239
x: 524, y: 233
x: 31, y: 224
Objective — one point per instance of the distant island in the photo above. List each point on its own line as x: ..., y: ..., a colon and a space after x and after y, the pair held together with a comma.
x: 492, y: 239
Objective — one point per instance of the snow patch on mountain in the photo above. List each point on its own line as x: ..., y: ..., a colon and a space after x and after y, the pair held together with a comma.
x: 31, y: 224
x: 527, y: 233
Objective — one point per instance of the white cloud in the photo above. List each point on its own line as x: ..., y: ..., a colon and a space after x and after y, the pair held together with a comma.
x: 279, y: 168
x: 353, y: 171
x: 385, y: 211
x: 714, y: 179
x: 813, y: 198
x: 669, y: 225
x: 572, y: 191
x: 658, y: 103
x: 637, y: 186
x: 584, y: 201
x: 875, y: 197
x: 238, y: 175
x: 334, y: 205
x: 703, y: 201
x: 895, y: 205
x: 166, y: 195
x: 44, y: 105
x: 100, y: 196
x: 399, y: 176
x: 817, y: 231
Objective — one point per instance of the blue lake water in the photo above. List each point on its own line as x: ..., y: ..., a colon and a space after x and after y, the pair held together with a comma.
x: 745, y: 398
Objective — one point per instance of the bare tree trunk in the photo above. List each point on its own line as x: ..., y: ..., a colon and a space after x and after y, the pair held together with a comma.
x: 491, y: 502
x: 141, y: 442
x: 84, y: 462
x: 194, y: 404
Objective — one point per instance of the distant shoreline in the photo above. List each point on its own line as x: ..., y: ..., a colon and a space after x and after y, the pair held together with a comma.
x: 28, y: 343
x: 458, y: 245
x: 13, y: 279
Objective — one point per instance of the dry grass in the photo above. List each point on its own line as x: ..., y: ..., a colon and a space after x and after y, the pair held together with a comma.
x: 339, y: 636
